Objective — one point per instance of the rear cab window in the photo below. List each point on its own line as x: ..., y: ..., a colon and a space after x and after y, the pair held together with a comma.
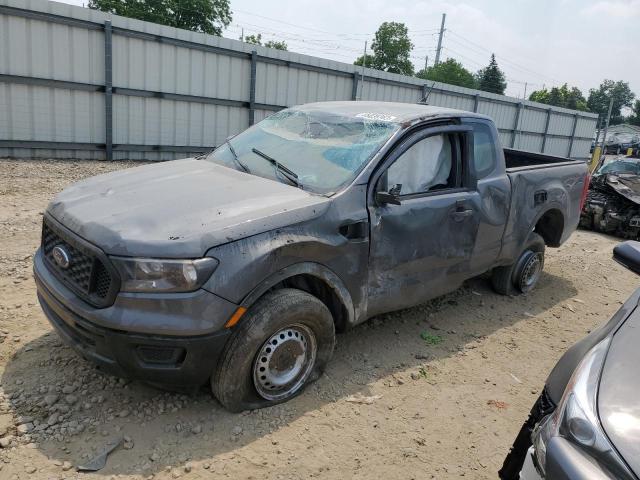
x: 485, y: 154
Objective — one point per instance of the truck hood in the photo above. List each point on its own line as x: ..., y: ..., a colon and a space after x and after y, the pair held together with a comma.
x: 619, y: 391
x: 179, y: 209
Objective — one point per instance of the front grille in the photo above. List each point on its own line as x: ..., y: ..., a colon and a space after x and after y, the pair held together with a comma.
x: 88, y: 273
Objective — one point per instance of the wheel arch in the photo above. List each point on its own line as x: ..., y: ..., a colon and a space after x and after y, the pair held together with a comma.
x: 550, y: 226
x: 315, y: 279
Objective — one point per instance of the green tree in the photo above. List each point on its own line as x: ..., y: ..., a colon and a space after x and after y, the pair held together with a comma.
x: 599, y: 98
x: 257, y: 40
x: 253, y: 39
x: 207, y: 16
x: 634, y: 118
x: 450, y: 71
x: 565, y: 96
x: 278, y: 45
x: 391, y: 49
x: 491, y: 79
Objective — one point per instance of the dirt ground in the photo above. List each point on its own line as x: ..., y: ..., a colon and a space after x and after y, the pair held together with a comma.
x: 444, y: 407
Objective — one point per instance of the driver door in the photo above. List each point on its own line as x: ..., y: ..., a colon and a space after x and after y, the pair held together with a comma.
x: 424, y: 219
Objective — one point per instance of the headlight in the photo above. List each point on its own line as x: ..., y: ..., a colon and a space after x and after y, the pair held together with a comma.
x: 576, y: 418
x: 158, y: 275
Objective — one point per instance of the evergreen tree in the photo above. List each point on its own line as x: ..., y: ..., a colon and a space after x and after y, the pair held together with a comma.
x: 491, y: 79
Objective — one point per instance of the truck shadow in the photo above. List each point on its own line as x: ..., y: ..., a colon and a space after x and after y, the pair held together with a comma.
x: 75, y: 410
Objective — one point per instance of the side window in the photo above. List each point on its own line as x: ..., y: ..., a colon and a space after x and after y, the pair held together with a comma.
x: 426, y: 166
x: 484, y: 149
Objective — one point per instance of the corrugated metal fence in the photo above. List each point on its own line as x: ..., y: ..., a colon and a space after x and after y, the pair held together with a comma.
x: 77, y: 83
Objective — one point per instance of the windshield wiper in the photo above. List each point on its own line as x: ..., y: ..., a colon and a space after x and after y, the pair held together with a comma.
x: 235, y: 156
x: 287, y: 173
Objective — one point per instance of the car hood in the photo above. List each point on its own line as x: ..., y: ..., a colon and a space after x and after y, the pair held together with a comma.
x: 626, y: 185
x: 179, y: 209
x: 618, y: 404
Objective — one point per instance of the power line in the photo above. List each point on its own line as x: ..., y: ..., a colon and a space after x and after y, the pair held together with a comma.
x: 502, y: 58
x: 302, y: 26
x: 334, y: 47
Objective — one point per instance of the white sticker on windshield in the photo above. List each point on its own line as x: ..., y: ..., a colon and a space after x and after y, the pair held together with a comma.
x: 376, y: 116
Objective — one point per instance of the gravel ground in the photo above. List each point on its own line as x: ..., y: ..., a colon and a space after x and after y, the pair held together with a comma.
x: 444, y: 407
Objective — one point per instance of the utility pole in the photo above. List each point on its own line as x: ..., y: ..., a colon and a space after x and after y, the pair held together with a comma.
x: 606, y: 126
x: 364, y: 64
x: 525, y: 91
x: 242, y: 35
x: 598, y: 127
x: 426, y: 62
x: 444, y: 16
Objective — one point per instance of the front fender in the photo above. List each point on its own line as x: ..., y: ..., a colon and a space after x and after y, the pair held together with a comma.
x: 249, y: 267
x: 306, y: 268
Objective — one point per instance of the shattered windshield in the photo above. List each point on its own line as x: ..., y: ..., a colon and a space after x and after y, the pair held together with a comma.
x: 325, y: 150
x: 621, y: 167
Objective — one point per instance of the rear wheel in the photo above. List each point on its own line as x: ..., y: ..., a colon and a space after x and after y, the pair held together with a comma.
x: 283, y: 344
x: 523, y: 275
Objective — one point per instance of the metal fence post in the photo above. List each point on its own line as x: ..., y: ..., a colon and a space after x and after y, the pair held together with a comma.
x: 546, y: 131
x: 108, y: 91
x: 354, y: 87
x: 252, y: 88
x: 573, y: 134
x: 476, y: 102
x: 515, y: 125
x: 424, y: 91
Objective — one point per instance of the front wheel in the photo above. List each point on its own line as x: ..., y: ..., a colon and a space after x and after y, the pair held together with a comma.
x: 283, y: 344
x: 523, y: 275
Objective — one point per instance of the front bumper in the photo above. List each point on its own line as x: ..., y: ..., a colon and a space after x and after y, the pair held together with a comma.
x: 563, y: 462
x: 519, y: 452
x: 151, y: 350
x: 529, y: 470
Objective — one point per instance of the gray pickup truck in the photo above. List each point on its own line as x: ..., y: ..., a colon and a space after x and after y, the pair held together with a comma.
x: 237, y: 267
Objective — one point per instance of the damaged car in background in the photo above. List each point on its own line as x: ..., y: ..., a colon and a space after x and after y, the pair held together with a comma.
x: 613, y: 201
x: 236, y: 269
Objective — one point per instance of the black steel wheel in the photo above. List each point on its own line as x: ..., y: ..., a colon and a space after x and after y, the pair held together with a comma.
x: 523, y: 275
x: 282, y: 344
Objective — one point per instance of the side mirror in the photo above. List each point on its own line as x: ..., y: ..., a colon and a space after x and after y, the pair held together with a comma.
x: 384, y: 198
x: 627, y: 254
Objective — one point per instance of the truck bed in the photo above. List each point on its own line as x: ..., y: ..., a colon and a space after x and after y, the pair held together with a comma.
x: 516, y: 160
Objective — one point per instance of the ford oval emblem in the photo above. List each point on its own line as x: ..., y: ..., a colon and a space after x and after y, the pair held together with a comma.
x: 61, y: 256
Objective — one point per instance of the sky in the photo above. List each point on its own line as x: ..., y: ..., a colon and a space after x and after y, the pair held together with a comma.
x: 536, y: 42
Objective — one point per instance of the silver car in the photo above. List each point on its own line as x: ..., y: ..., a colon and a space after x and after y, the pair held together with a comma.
x: 586, y: 423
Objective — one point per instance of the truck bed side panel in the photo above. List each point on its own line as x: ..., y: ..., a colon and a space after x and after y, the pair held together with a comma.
x: 536, y: 191
x: 521, y: 158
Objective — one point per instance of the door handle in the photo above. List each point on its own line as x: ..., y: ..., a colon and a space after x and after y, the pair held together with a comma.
x: 460, y: 214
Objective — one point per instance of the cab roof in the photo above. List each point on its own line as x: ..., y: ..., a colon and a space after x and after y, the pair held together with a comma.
x: 389, y: 111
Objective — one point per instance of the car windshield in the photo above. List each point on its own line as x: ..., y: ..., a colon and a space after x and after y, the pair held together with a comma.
x: 325, y: 150
x: 621, y: 167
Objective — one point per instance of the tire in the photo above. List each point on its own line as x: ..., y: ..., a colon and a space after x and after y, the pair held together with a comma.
x: 303, y: 330
x: 519, y: 278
